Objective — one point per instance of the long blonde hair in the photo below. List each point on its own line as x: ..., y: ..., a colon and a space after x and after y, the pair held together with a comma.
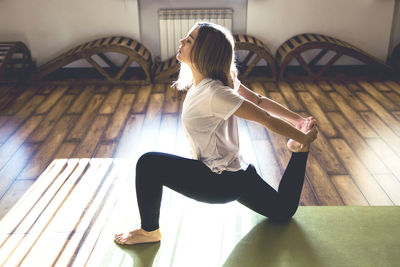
x: 212, y: 54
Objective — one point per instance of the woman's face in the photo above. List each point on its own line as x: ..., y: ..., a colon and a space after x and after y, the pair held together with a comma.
x: 185, y: 46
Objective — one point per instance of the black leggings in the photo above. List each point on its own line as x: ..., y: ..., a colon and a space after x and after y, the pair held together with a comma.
x: 194, y: 179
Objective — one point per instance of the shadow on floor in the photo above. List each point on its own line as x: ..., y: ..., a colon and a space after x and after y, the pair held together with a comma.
x: 267, y: 244
x: 142, y: 255
x: 271, y: 244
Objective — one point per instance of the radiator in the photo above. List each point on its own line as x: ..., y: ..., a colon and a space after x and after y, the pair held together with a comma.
x: 175, y: 24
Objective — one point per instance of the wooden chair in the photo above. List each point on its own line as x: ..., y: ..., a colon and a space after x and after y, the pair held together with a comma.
x: 256, y: 52
x: 134, y: 51
x: 15, y: 61
x: 295, y: 46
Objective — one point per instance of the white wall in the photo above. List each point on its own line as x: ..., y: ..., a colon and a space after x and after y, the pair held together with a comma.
x: 364, y: 23
x: 51, y: 27
x: 149, y: 24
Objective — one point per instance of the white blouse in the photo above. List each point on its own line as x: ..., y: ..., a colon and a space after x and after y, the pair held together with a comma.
x: 210, y: 126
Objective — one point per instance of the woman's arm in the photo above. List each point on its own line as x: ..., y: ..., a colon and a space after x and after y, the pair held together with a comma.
x: 269, y: 105
x: 250, y: 111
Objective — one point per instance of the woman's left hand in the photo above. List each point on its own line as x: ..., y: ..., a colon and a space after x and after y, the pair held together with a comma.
x: 309, y: 120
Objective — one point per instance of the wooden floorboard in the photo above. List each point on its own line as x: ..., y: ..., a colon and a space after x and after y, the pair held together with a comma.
x: 56, y: 140
x: 89, y: 121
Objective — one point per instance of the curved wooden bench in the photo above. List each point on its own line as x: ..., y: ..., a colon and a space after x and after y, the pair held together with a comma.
x: 134, y: 51
x: 256, y: 52
x: 293, y: 47
x: 15, y: 61
x: 166, y: 70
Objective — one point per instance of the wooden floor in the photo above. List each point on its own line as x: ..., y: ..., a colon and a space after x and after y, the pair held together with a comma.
x: 355, y: 160
x: 58, y: 142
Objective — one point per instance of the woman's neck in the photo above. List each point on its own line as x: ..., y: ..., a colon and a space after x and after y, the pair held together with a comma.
x: 197, y: 77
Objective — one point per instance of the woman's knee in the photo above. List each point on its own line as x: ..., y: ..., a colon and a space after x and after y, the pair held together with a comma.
x: 281, y: 219
x: 282, y: 216
x: 146, y: 162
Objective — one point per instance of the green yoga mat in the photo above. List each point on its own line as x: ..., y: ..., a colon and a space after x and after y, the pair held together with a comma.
x: 315, y: 237
x: 324, y: 236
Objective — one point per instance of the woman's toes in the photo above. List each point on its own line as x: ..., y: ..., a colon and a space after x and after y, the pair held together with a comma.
x: 312, y: 123
x: 119, y: 238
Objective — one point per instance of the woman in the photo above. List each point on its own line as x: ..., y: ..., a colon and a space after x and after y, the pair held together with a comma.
x: 217, y: 174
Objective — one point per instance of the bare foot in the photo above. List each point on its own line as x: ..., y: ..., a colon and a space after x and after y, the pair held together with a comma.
x: 306, y: 148
x: 306, y: 126
x: 138, y: 236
